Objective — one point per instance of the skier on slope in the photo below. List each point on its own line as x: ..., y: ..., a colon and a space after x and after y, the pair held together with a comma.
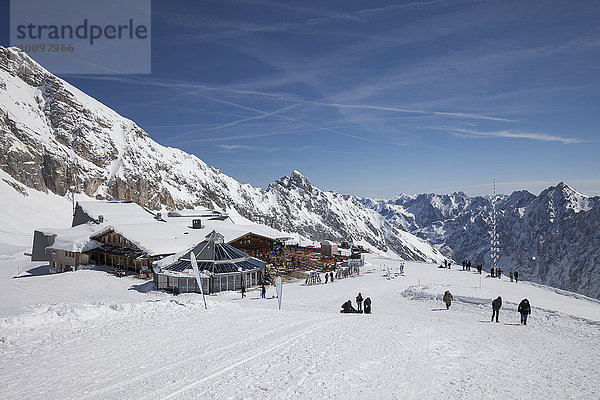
x: 359, y: 300
x: 525, y: 310
x: 447, y: 299
x: 496, y: 304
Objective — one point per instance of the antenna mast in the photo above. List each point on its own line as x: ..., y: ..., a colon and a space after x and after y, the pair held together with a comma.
x: 495, y: 237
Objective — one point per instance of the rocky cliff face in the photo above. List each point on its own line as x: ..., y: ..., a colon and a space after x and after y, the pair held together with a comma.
x: 553, y: 238
x: 55, y: 138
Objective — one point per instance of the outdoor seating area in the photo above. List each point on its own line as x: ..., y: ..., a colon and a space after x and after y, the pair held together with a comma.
x: 292, y: 260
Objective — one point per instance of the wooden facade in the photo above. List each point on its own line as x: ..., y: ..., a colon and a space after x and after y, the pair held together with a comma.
x: 251, y: 243
x: 120, y: 253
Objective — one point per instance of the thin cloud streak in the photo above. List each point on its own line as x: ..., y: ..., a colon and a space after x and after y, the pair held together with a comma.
x: 415, y: 111
x: 192, y: 88
x: 468, y: 133
x: 354, y: 16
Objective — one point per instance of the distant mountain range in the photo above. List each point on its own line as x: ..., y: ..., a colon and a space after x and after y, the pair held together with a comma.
x: 553, y: 238
x: 56, y: 138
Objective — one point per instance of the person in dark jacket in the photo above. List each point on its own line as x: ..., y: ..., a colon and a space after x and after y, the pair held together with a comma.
x: 525, y: 310
x: 516, y: 274
x: 496, y: 304
x: 347, y: 308
x: 359, y: 300
x: 368, y: 305
x: 447, y: 299
x: 492, y: 272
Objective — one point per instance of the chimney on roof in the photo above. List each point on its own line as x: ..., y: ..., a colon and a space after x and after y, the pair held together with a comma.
x: 100, y: 218
x: 158, y: 216
x: 197, y: 224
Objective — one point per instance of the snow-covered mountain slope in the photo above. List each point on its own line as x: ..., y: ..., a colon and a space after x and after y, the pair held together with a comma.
x: 553, y: 238
x: 56, y: 139
x: 24, y: 209
x: 54, y: 341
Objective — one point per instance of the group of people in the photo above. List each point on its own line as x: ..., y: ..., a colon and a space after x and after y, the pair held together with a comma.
x: 466, y: 264
x: 446, y: 264
x: 347, y: 307
x: 497, y: 273
x: 524, y: 307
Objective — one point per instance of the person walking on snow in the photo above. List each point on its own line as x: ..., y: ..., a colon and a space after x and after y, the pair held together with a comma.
x: 516, y: 274
x: 496, y: 304
x: 359, y: 300
x: 525, y: 310
x: 263, y: 291
x: 510, y: 274
x: 243, y: 290
x: 447, y: 299
x: 492, y: 272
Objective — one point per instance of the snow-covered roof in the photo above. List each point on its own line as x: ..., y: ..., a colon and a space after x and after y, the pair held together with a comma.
x: 169, y: 236
x: 75, y: 239
x: 198, y: 212
x: 116, y: 211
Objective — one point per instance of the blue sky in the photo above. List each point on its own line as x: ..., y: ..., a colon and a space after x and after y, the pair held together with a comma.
x: 374, y: 98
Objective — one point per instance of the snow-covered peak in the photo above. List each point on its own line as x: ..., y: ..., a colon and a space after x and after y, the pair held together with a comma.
x: 17, y: 62
x: 562, y: 195
x: 295, y: 181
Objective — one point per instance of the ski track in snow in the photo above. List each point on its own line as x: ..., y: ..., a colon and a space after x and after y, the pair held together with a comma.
x: 158, y: 346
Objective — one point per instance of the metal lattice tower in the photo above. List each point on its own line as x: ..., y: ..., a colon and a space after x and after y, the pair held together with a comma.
x: 495, y: 237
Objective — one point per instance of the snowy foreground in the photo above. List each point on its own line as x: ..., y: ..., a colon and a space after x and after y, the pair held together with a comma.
x: 89, y: 335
